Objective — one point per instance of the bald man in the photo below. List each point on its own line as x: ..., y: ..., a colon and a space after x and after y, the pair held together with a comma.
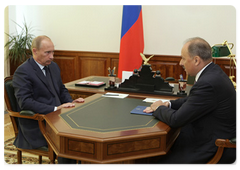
x: 38, y: 87
x: 208, y: 113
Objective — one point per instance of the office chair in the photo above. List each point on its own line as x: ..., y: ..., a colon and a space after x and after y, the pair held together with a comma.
x: 12, y: 108
x: 222, y: 143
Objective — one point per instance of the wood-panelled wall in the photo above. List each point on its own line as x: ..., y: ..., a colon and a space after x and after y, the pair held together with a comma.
x: 77, y: 64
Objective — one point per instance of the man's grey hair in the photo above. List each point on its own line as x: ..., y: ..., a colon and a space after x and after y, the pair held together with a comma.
x: 199, y: 47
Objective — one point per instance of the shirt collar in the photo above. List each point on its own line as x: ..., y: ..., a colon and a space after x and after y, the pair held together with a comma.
x: 200, y: 72
x: 41, y: 66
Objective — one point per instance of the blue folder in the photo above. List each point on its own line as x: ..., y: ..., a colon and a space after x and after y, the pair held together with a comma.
x: 139, y: 110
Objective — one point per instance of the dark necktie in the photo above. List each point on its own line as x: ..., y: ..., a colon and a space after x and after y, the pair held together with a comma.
x: 49, y: 79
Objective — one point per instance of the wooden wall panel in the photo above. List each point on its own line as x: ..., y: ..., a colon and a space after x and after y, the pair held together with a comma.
x: 93, y: 66
x: 168, y: 69
x: 225, y: 65
x: 86, y: 63
x: 114, y: 63
x: 168, y: 66
x: 78, y: 64
x: 68, y: 65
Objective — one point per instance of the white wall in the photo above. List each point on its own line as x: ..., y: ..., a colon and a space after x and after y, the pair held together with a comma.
x: 98, y: 28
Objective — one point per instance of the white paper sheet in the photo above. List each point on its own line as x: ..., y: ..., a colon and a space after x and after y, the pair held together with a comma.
x: 152, y: 100
x: 115, y: 95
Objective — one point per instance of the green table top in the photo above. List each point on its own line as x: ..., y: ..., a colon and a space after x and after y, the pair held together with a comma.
x: 107, y: 115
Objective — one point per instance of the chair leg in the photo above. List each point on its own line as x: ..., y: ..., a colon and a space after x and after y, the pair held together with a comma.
x: 40, y: 159
x: 19, y: 156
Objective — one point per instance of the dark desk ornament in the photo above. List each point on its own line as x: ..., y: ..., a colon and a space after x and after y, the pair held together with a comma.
x: 182, y: 86
x: 112, y: 78
x: 144, y: 81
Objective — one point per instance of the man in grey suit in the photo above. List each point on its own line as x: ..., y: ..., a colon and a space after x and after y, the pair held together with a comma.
x: 208, y: 113
x: 38, y: 87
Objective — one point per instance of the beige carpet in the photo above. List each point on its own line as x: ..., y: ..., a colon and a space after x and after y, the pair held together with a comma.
x: 10, y: 155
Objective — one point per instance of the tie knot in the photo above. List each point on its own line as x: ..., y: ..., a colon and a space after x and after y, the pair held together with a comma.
x: 46, y: 70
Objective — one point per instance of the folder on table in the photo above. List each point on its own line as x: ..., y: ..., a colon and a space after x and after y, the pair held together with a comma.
x: 139, y: 110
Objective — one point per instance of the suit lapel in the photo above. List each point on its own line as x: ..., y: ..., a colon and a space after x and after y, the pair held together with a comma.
x: 209, y: 67
x: 39, y: 73
x: 53, y: 76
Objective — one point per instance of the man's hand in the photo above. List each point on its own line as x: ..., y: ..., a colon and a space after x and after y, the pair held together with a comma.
x: 79, y: 100
x: 148, y: 110
x: 69, y: 105
x: 155, y: 105
x: 66, y: 105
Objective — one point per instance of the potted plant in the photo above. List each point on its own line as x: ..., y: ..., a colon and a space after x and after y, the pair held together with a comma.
x: 19, y: 45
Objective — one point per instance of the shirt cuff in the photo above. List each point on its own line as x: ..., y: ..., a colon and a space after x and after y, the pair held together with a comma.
x: 169, y: 106
x: 55, y: 108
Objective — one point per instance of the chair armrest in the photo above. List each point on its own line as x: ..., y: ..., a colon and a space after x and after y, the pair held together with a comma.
x: 27, y: 113
x: 222, y: 143
x: 18, y: 115
x: 226, y: 143
x: 233, y: 141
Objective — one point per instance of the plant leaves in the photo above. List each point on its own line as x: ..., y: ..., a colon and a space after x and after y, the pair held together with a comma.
x: 20, y: 45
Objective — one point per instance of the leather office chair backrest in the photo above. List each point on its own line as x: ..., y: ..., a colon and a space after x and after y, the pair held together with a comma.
x: 11, y: 100
x: 14, y: 113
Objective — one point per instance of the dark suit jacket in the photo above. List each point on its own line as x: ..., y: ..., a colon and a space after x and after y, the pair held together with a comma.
x: 33, y: 93
x: 208, y: 113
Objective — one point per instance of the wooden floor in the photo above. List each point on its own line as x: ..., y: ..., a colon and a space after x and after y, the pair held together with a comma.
x: 8, y: 128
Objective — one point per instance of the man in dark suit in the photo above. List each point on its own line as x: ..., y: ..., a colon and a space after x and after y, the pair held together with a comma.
x: 208, y: 113
x: 38, y: 87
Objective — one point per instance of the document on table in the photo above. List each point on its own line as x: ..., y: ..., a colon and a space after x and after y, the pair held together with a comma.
x: 115, y: 95
x: 152, y: 100
x: 139, y: 110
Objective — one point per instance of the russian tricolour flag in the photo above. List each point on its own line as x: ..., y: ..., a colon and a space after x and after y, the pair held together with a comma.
x: 132, y: 41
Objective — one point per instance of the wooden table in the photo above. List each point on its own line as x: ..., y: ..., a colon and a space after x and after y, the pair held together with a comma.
x: 91, y: 146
